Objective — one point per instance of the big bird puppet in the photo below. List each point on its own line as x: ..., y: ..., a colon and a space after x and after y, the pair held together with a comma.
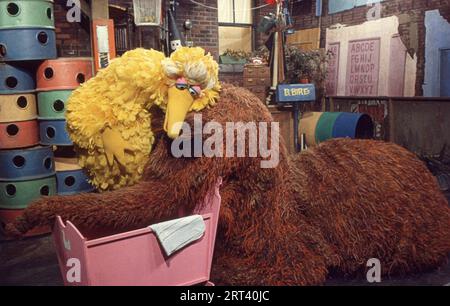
x: 109, y: 117
x: 330, y: 208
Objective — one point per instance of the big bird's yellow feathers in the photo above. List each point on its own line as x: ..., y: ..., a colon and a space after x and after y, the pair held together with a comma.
x: 108, y: 117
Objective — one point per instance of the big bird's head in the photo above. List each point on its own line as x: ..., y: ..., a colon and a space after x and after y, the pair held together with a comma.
x: 193, y: 81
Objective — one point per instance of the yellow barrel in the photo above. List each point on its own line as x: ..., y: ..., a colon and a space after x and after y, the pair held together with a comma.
x: 18, y: 108
x: 307, y: 126
x: 66, y: 164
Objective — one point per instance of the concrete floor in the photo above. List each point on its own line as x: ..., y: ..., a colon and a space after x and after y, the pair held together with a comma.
x: 33, y: 262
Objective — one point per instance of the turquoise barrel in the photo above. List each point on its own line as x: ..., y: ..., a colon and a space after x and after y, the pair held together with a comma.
x: 31, y: 13
x: 53, y: 132
x: 19, y: 194
x: 26, y: 164
x: 16, y: 79
x: 325, y: 125
x: 27, y: 44
x: 52, y: 104
x: 353, y: 125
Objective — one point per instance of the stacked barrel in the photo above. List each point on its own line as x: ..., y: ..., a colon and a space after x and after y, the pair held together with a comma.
x: 27, y: 170
x: 56, y: 79
x: 36, y: 154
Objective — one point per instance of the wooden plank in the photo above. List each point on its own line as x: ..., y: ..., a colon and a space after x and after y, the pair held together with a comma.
x: 285, y: 117
x: 99, y: 9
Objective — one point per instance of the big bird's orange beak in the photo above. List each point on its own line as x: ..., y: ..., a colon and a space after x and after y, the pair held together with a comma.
x: 178, y: 105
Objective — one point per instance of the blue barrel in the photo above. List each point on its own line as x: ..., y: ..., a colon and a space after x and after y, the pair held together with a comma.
x: 353, y: 125
x: 26, y: 164
x: 72, y: 182
x: 53, y: 132
x: 27, y: 44
x: 15, y: 79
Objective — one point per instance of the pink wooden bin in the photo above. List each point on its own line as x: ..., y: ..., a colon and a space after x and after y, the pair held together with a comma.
x: 135, y: 258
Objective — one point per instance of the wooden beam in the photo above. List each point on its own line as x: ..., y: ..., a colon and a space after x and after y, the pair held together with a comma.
x: 85, y: 8
x: 99, y: 9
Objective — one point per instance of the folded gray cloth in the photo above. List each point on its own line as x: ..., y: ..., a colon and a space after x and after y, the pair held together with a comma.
x: 176, y: 234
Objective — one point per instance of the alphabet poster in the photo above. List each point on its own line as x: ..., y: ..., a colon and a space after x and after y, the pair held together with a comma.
x: 363, y: 67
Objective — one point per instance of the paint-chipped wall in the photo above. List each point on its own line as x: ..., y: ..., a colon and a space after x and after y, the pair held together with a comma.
x: 437, y: 39
x: 364, y: 64
x: 411, y: 28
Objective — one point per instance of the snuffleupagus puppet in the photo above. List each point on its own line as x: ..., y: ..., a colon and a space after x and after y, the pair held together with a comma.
x: 330, y: 208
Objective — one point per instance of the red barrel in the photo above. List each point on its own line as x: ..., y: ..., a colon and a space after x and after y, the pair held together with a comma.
x: 21, y: 134
x: 63, y: 73
x: 9, y: 215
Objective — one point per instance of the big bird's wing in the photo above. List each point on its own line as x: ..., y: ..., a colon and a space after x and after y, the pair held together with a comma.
x: 118, y: 98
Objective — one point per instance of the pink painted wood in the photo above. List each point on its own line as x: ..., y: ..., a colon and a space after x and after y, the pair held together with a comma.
x: 397, y: 64
x: 135, y: 258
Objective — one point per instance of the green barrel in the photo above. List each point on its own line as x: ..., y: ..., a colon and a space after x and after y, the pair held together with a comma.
x: 325, y: 125
x: 18, y: 195
x: 52, y: 104
x: 25, y: 14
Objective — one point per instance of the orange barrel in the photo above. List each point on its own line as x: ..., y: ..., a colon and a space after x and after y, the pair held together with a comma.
x: 307, y: 126
x: 17, y: 108
x: 19, y: 134
x: 63, y: 73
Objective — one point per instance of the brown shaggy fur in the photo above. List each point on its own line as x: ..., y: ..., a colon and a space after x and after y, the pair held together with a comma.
x: 330, y: 208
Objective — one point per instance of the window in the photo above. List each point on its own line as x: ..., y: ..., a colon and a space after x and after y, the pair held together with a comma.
x: 235, y: 25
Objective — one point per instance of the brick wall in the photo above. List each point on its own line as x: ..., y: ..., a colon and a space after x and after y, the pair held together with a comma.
x: 205, y: 31
x: 411, y: 29
x: 72, y: 39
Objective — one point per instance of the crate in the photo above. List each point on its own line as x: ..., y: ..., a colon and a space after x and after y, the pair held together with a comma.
x: 135, y: 258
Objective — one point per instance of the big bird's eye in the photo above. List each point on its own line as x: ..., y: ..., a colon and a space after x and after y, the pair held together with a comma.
x: 181, y: 86
x: 193, y: 92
